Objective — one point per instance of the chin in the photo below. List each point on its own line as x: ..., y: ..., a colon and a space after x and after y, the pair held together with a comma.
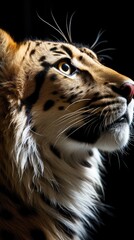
x: 114, y: 139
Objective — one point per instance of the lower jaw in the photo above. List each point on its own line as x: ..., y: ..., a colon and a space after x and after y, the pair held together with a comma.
x: 113, y: 138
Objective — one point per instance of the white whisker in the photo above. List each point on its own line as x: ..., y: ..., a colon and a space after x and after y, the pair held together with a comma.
x: 105, y: 49
x: 58, y: 29
x: 97, y: 39
x: 68, y: 27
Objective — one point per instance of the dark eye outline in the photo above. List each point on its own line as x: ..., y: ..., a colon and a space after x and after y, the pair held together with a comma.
x: 65, y: 62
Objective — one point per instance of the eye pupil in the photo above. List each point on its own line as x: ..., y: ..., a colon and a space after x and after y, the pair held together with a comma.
x: 65, y: 67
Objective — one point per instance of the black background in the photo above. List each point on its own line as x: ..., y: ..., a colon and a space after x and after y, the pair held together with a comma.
x: 117, y: 20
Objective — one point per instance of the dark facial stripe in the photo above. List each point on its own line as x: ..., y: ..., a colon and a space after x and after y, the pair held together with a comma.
x: 67, y: 50
x: 30, y: 100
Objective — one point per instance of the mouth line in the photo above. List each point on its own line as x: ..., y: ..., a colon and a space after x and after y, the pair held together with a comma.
x: 122, y: 119
x: 81, y: 134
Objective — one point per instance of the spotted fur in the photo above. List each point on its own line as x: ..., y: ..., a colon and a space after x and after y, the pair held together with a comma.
x: 59, y: 106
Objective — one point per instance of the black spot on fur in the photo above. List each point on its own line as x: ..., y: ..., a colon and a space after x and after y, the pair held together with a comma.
x: 62, y: 96
x: 80, y: 58
x: 48, y: 105
x: 71, y: 98
x: 53, y: 77
x: 54, y: 92
x: 46, y: 65
x: 38, y: 43
x: 6, y: 235
x: 53, y: 48
x: 86, y: 164
x: 6, y: 214
x: 55, y: 151
x: 90, y: 152
x: 37, y: 234
x: 42, y: 58
x: 61, y: 107
x: 87, y: 77
x: 32, y: 52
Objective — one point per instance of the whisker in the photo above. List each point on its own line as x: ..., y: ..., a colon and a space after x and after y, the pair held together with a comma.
x: 60, y: 30
x: 105, y: 49
x: 102, y: 56
x: 56, y: 29
x: 77, y: 101
x: 101, y: 42
x: 70, y: 26
x: 64, y: 130
x: 76, y: 122
x: 70, y: 116
x: 97, y: 39
x: 81, y: 127
x: 61, y: 119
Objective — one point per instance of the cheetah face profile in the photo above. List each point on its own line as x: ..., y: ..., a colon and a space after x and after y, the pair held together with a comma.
x: 84, y: 102
x: 68, y: 96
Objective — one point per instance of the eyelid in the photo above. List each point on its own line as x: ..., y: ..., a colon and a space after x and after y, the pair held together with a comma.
x: 68, y: 61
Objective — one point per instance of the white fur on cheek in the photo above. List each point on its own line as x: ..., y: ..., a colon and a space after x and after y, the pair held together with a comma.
x: 115, y: 139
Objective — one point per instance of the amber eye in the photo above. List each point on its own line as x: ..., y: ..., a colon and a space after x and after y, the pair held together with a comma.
x: 65, y: 68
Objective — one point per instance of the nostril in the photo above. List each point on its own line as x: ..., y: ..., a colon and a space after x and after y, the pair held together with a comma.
x: 127, y: 91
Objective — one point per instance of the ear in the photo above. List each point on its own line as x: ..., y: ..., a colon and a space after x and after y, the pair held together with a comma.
x: 7, y: 46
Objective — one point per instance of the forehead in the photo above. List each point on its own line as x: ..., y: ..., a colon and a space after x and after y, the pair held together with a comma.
x: 71, y: 50
x: 52, y: 51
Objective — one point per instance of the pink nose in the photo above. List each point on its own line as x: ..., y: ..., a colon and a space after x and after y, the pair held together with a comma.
x: 127, y: 91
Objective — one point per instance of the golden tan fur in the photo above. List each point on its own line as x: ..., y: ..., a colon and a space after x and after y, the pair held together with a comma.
x: 49, y: 179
